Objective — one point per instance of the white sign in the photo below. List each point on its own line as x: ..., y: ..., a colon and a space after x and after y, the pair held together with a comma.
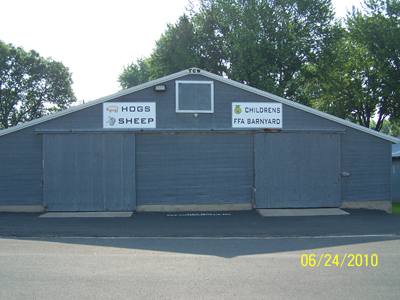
x: 123, y: 115
x: 257, y: 115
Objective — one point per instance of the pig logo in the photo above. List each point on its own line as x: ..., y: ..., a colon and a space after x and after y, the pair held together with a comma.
x: 112, y: 108
x: 111, y: 121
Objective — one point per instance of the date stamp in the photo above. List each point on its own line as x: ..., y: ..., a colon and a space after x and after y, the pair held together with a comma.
x: 349, y: 260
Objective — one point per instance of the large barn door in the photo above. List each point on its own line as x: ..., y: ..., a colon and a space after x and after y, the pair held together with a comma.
x: 181, y: 169
x: 297, y: 170
x: 89, y: 172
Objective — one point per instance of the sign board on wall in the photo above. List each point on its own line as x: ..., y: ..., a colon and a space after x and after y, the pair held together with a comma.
x: 257, y: 115
x: 124, y: 115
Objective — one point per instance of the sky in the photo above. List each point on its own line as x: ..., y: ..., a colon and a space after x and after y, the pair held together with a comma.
x: 96, y: 39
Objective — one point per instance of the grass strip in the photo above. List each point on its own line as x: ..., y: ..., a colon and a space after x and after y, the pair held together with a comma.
x: 396, y: 208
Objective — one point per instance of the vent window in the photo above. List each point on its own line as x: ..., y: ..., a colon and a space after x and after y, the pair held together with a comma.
x: 194, y: 97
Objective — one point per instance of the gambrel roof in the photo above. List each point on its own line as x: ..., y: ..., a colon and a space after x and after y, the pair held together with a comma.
x: 210, y: 76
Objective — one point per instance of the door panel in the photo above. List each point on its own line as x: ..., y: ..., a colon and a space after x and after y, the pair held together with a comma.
x: 194, y: 168
x: 89, y: 172
x: 297, y: 170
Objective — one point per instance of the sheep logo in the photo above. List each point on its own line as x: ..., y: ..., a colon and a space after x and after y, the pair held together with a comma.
x: 112, y: 108
x: 111, y: 121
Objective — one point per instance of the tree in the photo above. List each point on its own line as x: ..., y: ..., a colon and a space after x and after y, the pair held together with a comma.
x: 176, y: 50
x: 184, y: 45
x: 31, y: 86
x: 362, y: 79
x: 211, y: 45
x: 378, y: 30
x: 262, y: 43
x: 340, y: 77
x: 389, y: 127
x: 267, y: 43
x: 135, y: 73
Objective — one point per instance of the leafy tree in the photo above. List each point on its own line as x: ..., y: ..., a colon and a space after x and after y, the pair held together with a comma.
x: 176, y: 50
x: 31, y: 86
x: 267, y: 43
x: 378, y: 30
x: 262, y: 43
x: 360, y: 80
x: 340, y: 78
x: 211, y: 45
x: 389, y: 127
x: 135, y: 73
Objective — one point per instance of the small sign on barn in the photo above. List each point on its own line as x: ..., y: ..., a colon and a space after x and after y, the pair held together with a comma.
x: 256, y: 115
x: 122, y: 115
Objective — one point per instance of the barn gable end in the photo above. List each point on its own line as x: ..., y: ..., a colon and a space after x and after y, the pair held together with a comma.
x: 227, y: 146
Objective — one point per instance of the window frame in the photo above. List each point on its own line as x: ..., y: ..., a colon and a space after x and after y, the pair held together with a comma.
x: 178, y: 82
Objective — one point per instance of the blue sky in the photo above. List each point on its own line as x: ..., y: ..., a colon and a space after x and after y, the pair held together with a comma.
x: 95, y: 39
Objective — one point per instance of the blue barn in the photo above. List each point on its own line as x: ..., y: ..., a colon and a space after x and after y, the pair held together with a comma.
x: 193, y: 141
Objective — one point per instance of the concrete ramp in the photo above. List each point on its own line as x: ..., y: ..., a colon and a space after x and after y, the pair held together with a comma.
x: 287, y: 212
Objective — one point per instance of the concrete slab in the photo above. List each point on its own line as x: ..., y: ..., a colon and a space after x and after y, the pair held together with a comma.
x: 22, y: 208
x: 301, y: 212
x: 108, y: 214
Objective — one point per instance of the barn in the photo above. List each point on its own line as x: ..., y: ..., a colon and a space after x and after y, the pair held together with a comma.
x: 193, y: 141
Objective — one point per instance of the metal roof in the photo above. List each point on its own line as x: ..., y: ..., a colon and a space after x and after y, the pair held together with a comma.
x: 211, y: 76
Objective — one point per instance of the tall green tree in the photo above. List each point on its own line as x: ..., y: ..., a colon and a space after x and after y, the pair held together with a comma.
x: 378, y: 30
x: 267, y: 43
x: 176, y: 49
x: 211, y: 45
x: 339, y: 81
x: 262, y: 43
x: 360, y: 79
x: 135, y: 73
x: 186, y: 44
x: 389, y: 127
x: 31, y: 86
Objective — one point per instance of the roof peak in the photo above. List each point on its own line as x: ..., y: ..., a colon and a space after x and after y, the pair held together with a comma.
x: 198, y: 71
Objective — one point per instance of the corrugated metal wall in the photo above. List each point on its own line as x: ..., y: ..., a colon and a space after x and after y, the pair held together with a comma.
x: 396, y: 180
x: 208, y: 168
x: 297, y: 170
x: 89, y: 172
x: 369, y: 162
x: 21, y: 168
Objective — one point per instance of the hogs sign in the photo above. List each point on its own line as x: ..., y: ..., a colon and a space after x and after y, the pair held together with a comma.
x: 128, y: 115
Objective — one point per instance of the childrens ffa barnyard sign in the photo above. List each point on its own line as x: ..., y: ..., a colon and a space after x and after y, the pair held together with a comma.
x: 257, y: 115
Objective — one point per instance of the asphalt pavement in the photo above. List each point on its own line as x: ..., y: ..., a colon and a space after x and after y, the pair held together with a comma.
x: 201, y: 255
x: 361, y: 267
x: 202, y: 224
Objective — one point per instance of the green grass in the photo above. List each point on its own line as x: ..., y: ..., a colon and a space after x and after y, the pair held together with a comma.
x: 396, y: 208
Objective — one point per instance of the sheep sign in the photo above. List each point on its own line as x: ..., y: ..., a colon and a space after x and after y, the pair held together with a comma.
x: 129, y: 115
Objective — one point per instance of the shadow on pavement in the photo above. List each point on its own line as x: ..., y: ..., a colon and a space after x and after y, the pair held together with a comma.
x: 225, y: 234
x: 219, y: 247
